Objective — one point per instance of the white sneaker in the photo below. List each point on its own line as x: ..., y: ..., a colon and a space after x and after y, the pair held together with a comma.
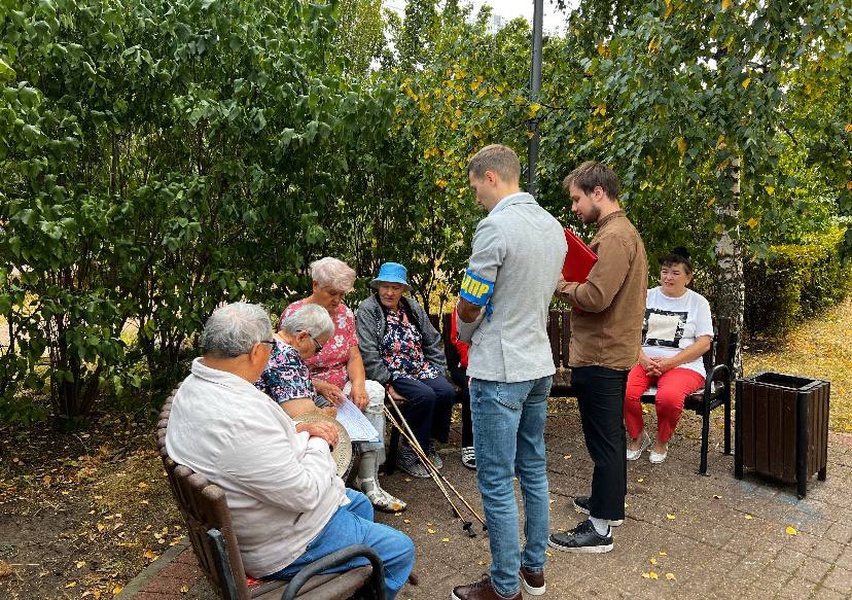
x: 635, y: 454
x: 468, y: 457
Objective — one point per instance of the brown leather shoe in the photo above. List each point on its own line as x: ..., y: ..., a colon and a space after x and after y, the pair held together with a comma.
x: 481, y: 590
x: 533, y: 583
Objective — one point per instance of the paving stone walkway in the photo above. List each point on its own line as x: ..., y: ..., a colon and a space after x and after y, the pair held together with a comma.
x: 685, y: 535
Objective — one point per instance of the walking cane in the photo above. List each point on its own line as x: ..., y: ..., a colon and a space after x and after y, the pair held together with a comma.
x: 412, y: 440
x: 466, y: 525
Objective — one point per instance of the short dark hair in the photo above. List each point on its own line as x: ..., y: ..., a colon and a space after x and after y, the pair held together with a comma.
x: 590, y: 175
x: 677, y: 256
x: 498, y: 158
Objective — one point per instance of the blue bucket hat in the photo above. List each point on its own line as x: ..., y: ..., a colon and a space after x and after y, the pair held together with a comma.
x: 391, y: 272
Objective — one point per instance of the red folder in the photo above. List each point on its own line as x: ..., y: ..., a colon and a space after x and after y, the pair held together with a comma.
x: 579, y: 260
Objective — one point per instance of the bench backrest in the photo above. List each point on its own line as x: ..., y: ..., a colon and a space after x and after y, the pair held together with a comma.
x: 722, y: 351
x: 205, y: 510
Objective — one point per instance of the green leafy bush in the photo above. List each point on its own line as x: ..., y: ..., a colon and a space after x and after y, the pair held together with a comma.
x: 795, y: 282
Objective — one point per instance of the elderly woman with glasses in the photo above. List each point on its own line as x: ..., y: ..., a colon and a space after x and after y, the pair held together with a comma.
x: 402, y: 351
x: 286, y: 378
x: 337, y: 371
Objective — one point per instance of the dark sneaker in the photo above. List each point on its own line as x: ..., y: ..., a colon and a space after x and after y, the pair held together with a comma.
x: 432, y: 455
x: 407, y: 460
x: 533, y: 583
x: 581, y: 503
x: 583, y: 538
x: 469, y: 457
x: 481, y: 590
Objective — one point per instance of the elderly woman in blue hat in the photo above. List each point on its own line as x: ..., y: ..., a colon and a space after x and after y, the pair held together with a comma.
x: 402, y: 351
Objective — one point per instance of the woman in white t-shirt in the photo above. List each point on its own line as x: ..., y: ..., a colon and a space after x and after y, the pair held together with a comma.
x: 677, y: 331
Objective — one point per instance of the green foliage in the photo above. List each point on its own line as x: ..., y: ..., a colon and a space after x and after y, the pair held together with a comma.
x: 795, y: 282
x: 163, y: 157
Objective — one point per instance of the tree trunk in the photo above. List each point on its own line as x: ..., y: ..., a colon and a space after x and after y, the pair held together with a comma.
x: 729, y: 292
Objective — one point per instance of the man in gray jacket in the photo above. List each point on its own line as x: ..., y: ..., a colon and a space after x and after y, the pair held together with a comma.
x: 518, y: 252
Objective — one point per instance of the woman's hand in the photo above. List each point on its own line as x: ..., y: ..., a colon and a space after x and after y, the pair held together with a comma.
x: 320, y: 429
x: 662, y: 365
x: 393, y: 393
x: 329, y: 391
x: 648, y: 364
x: 359, y: 395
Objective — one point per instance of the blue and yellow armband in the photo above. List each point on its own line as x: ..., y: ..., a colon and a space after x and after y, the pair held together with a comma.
x: 476, y: 289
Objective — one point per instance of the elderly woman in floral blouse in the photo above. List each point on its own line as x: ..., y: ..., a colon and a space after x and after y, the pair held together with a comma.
x: 402, y: 351
x: 337, y: 371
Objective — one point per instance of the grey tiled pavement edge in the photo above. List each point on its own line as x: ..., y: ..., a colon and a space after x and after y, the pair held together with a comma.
x: 684, y: 536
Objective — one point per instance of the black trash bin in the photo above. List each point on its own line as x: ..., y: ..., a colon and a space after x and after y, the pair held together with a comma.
x: 782, y: 427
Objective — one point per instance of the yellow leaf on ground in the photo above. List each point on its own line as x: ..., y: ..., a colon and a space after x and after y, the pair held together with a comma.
x: 646, y: 575
x: 748, y: 517
x: 641, y: 479
x: 184, y: 589
x: 431, y: 531
x: 663, y: 553
x: 670, y: 516
x: 80, y: 564
x: 770, y: 190
x: 670, y: 576
x: 445, y: 539
x: 791, y: 530
x: 117, y: 590
x: 5, y: 569
x: 653, y: 575
x: 652, y: 560
x: 70, y: 584
x: 848, y: 128
x: 752, y: 223
x: 149, y: 554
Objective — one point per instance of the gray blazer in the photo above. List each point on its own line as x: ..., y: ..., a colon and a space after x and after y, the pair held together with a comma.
x: 371, y: 326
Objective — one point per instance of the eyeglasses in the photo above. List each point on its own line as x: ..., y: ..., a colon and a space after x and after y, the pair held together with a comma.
x: 270, y: 342
x: 317, y: 345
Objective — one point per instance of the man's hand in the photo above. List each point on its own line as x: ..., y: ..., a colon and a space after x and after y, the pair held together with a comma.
x: 329, y: 391
x: 320, y: 429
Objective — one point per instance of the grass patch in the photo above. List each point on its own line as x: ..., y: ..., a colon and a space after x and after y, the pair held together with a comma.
x: 819, y: 348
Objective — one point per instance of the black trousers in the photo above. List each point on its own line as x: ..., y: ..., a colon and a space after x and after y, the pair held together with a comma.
x: 460, y: 378
x: 600, y: 392
x: 430, y: 407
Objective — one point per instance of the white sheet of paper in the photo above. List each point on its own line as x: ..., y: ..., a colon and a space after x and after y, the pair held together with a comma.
x: 356, y: 424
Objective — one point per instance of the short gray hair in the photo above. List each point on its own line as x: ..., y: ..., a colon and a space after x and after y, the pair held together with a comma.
x: 312, y: 318
x: 334, y: 273
x: 233, y: 329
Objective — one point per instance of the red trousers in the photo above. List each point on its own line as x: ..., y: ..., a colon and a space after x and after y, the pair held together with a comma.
x: 672, y: 389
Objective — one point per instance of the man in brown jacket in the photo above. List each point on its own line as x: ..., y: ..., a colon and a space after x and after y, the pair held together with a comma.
x: 606, y: 335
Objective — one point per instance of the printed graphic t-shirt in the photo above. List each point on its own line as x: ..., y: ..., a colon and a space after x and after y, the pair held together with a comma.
x: 672, y: 324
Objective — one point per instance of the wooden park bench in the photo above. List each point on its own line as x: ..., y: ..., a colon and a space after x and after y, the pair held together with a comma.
x: 205, y: 510
x: 718, y: 361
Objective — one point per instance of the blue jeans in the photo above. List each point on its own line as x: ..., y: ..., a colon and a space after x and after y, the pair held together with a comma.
x: 508, y: 434
x: 353, y: 524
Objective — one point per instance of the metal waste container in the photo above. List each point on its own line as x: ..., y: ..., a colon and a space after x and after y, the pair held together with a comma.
x: 782, y: 427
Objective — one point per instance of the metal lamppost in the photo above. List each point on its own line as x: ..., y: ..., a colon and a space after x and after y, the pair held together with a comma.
x: 535, y: 88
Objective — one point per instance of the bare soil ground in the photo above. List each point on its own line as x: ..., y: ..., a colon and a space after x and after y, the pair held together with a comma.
x: 82, y: 514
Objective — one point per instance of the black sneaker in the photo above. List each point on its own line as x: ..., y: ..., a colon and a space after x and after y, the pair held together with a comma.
x: 432, y: 455
x: 408, y: 461
x: 581, y: 503
x: 583, y: 538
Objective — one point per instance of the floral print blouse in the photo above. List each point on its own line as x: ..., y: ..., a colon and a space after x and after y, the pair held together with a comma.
x: 330, y: 364
x: 402, y: 349
x: 286, y: 376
